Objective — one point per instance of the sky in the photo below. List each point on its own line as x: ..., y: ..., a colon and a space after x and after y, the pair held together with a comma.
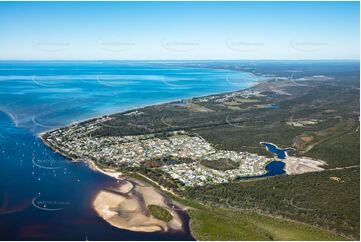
x: 179, y: 30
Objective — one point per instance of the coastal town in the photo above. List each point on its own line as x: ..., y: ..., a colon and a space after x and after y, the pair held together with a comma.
x: 185, y: 152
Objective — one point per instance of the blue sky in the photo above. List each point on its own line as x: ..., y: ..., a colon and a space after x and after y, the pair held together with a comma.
x: 179, y: 30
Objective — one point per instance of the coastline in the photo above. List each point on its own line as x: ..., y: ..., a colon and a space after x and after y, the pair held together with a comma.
x: 251, y: 84
x: 91, y: 164
x: 105, y: 200
x: 132, y: 199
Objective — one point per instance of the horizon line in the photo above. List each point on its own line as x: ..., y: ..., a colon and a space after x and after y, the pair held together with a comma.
x: 148, y: 60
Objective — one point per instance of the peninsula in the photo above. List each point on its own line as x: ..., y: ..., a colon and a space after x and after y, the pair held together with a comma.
x: 195, y: 148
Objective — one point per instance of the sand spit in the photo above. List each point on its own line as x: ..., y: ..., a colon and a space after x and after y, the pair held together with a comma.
x: 108, y: 172
x: 299, y: 165
x: 125, y: 207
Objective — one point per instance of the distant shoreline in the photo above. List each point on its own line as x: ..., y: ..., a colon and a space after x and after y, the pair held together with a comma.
x: 92, y: 163
x: 252, y: 84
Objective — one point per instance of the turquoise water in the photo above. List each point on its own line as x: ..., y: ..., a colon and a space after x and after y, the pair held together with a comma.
x: 42, y: 195
x: 45, y: 95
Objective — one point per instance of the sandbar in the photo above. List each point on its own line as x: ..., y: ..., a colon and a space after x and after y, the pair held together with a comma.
x: 125, y: 207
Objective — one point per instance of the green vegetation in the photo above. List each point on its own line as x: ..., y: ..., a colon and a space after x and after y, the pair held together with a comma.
x: 160, y: 213
x: 220, y: 164
x: 225, y: 224
x: 327, y: 199
x: 215, y: 223
x: 313, y: 198
x: 340, y: 151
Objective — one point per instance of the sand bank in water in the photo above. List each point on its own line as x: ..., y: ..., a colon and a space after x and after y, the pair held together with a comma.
x: 125, y: 207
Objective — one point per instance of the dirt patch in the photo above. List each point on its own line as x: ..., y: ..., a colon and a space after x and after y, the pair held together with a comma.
x: 300, y: 165
x: 336, y: 179
x: 307, y: 139
x: 196, y: 108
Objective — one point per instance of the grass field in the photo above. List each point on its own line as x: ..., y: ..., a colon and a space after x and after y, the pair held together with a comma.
x: 226, y: 224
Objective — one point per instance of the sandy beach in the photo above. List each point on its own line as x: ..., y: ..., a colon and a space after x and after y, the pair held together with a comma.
x: 125, y: 206
x: 108, y: 172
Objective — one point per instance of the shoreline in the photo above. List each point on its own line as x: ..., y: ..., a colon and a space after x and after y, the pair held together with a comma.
x: 251, y: 84
x: 134, y: 216
x: 126, y: 207
x: 91, y: 164
x: 56, y: 149
x: 104, y: 202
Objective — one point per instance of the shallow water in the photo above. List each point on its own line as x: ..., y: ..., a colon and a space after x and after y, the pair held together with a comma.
x: 45, y: 95
x: 42, y: 195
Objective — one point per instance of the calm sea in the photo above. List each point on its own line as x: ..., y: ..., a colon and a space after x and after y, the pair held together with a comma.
x: 42, y: 195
